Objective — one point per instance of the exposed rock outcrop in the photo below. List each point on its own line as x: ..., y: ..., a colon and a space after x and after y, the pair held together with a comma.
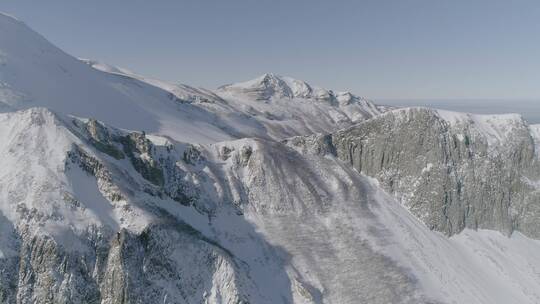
x: 451, y: 170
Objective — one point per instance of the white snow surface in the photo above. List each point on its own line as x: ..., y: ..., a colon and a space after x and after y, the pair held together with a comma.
x: 35, y: 185
x: 472, y: 267
x: 33, y: 73
x: 496, y: 128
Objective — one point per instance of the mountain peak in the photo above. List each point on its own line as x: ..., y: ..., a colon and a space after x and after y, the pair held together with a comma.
x: 264, y: 87
x: 272, y: 86
x: 268, y: 76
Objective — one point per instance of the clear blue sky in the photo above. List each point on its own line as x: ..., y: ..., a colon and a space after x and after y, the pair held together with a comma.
x: 378, y: 49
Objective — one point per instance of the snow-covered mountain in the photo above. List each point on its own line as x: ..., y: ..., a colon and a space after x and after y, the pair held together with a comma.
x: 36, y: 73
x: 272, y: 115
x: 116, y: 188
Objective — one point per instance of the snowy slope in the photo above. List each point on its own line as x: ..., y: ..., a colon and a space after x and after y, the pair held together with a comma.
x: 354, y: 243
x: 33, y: 72
x: 496, y: 128
x: 472, y: 267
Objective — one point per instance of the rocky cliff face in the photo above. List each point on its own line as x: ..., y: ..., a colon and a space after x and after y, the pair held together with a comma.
x: 78, y: 225
x: 167, y: 263
x: 451, y: 170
